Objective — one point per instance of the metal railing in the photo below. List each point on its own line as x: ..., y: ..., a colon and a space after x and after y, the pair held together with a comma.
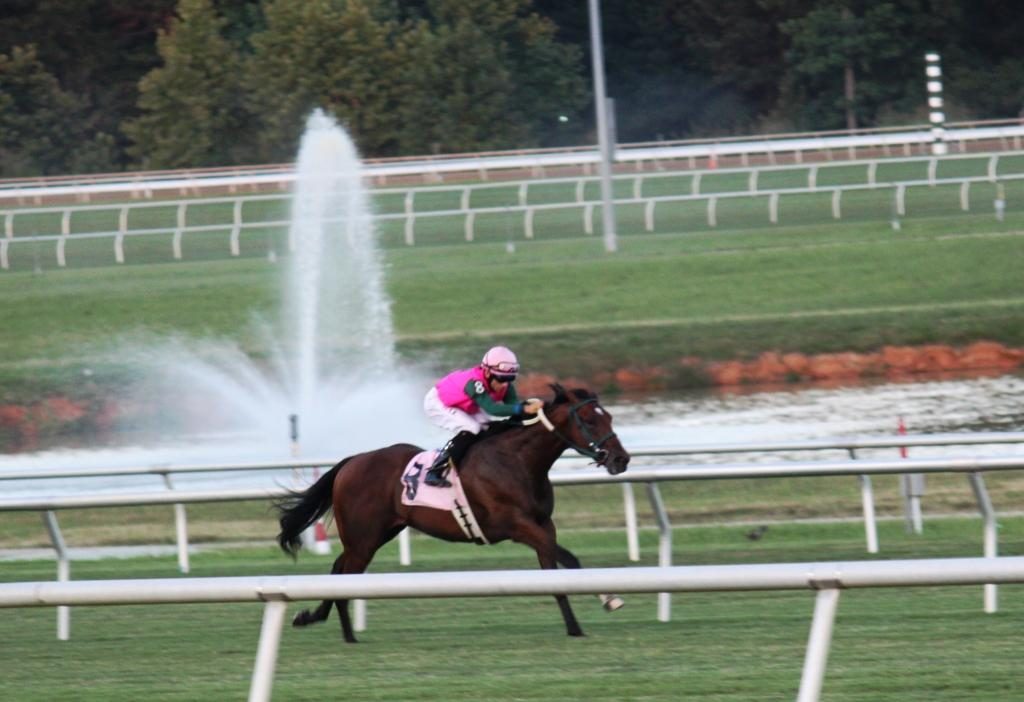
x: 649, y: 475
x: 693, y: 153
x: 827, y: 580
x: 63, y: 233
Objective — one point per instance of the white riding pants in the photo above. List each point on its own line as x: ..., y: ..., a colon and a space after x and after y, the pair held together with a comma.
x: 452, y: 418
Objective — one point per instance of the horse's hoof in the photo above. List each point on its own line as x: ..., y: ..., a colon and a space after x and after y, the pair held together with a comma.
x: 614, y: 603
x: 351, y: 640
x: 301, y: 619
x: 579, y: 633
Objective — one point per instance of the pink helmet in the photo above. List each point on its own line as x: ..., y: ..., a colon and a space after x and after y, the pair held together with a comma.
x: 501, y: 363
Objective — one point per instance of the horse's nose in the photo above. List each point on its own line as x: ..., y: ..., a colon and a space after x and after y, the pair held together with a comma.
x: 619, y: 463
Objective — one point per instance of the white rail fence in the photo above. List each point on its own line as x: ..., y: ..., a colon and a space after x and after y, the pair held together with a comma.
x: 649, y: 475
x: 469, y: 214
x: 826, y: 579
x: 771, y: 149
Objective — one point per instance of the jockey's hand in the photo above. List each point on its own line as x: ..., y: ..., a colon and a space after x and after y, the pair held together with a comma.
x: 533, y: 406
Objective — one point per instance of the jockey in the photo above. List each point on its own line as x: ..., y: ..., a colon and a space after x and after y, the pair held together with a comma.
x: 468, y: 400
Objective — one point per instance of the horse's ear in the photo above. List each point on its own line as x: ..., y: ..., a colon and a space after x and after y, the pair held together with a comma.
x: 560, y: 393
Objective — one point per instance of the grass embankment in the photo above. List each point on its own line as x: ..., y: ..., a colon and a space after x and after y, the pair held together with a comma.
x: 914, y: 644
x: 568, y: 307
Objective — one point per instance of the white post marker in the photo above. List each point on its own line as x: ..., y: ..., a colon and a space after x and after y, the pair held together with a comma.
x: 936, y: 115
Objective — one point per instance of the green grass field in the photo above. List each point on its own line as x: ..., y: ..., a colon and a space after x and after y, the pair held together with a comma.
x: 918, y: 644
x: 568, y: 307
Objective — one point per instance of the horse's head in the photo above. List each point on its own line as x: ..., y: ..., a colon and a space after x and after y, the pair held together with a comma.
x: 586, y: 426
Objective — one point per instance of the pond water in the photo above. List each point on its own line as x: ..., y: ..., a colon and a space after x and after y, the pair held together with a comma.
x: 933, y: 406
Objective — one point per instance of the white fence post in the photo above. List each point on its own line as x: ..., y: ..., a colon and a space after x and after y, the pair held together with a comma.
x: 266, y: 654
x: 818, y: 644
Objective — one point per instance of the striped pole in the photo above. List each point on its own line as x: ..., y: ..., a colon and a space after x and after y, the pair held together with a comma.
x: 936, y: 115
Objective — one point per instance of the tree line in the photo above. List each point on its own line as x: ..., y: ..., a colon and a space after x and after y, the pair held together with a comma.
x: 109, y: 85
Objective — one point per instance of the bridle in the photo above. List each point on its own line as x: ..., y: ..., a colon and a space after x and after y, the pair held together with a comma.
x: 593, y: 448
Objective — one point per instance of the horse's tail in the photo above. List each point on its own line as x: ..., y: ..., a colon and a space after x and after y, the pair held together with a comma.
x: 301, y: 509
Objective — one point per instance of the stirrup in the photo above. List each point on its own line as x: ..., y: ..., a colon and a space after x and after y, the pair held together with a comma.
x: 435, y: 474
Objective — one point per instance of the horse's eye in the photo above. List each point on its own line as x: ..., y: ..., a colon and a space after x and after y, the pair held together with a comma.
x: 599, y: 410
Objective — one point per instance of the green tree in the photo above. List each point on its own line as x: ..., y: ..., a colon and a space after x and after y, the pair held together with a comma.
x: 40, y: 124
x: 97, y: 50
x: 852, y: 62
x: 192, y: 108
x: 486, y: 74
x: 339, y: 55
x: 982, y: 59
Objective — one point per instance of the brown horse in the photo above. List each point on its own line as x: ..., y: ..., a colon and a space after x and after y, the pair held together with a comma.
x: 505, y: 478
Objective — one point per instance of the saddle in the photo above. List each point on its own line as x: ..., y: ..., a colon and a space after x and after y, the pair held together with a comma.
x: 452, y: 499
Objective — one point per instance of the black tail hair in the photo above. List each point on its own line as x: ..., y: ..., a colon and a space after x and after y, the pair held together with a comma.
x: 301, y: 509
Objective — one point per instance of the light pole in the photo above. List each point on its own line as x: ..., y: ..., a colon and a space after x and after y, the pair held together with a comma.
x: 601, y: 107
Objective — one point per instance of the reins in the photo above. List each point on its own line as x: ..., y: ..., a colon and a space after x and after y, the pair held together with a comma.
x: 593, y: 448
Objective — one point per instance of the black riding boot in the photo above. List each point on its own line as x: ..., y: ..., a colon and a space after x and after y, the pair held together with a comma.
x: 435, y: 474
x: 452, y: 452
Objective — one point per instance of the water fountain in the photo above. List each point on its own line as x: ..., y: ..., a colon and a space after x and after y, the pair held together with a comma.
x: 329, y: 360
x: 332, y: 361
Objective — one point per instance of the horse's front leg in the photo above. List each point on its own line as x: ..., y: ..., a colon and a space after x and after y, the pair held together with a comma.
x: 541, y: 538
x: 567, y: 559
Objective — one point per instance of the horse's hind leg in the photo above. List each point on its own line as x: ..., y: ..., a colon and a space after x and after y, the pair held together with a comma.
x: 305, y: 617
x: 354, y: 565
x: 567, y: 559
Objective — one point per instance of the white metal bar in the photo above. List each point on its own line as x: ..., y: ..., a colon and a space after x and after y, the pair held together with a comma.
x: 818, y: 644
x: 181, y: 220
x: 990, y: 539
x: 588, y: 218
x: 649, y: 215
x: 404, y: 548
x: 664, y: 547
x: 410, y: 238
x: 836, y: 195
x: 63, y: 572
x: 266, y: 653
x: 773, y: 208
x: 590, y: 581
x: 847, y: 445
x: 867, y: 500
x: 528, y: 223
x: 180, y: 529
x: 470, y: 218
x: 632, y: 533
x: 965, y: 198
x: 359, y: 614
x: 236, y: 228
x: 583, y: 158
x: 712, y: 215
x: 577, y: 476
